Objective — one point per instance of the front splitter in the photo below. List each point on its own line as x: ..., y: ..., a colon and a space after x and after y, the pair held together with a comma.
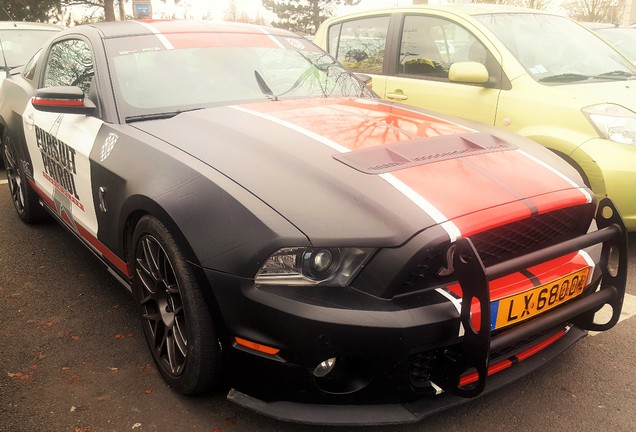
x: 384, y: 414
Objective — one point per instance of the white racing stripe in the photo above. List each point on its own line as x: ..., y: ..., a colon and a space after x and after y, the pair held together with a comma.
x: 457, y: 302
x: 421, y: 202
x: 166, y: 43
x: 323, y: 140
x: 628, y: 311
x: 432, y: 211
x: 584, y: 191
x: 272, y: 38
x: 590, y: 262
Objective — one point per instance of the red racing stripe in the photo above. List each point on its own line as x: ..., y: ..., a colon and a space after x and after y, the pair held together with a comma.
x: 204, y: 34
x: 194, y: 26
x: 207, y: 40
x: 496, y: 179
x: 438, y: 182
x: 358, y: 124
x: 106, y: 253
x: 505, y: 364
x: 516, y: 283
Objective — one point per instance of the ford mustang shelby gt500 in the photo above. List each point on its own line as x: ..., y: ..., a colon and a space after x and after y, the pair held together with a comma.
x: 332, y: 258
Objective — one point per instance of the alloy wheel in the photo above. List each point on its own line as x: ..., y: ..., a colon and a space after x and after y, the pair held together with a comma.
x: 13, y: 176
x: 163, y: 312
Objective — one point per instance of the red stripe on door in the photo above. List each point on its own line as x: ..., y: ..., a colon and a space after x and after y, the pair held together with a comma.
x: 106, y: 253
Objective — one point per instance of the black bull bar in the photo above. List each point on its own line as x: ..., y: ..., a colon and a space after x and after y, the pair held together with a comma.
x: 474, y: 277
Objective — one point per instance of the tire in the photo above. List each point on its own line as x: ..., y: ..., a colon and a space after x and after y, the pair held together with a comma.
x: 25, y: 200
x: 176, y: 320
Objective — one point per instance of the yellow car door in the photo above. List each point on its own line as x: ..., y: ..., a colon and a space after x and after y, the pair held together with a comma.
x: 442, y: 66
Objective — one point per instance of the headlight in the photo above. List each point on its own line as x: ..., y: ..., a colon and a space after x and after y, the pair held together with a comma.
x: 613, y: 122
x: 312, y: 266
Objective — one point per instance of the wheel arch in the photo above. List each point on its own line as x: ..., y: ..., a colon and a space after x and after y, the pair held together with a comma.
x: 567, y: 144
x: 138, y: 206
x: 574, y: 164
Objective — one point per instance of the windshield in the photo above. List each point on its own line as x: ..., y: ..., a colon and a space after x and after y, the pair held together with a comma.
x: 623, y: 39
x: 150, y: 79
x: 555, y: 49
x: 19, y: 45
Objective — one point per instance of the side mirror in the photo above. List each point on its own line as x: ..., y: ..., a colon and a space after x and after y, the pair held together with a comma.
x: 63, y: 100
x: 468, y: 72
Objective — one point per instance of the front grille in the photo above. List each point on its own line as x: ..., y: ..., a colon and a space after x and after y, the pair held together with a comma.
x: 506, y: 242
x: 420, y: 367
x: 530, y: 234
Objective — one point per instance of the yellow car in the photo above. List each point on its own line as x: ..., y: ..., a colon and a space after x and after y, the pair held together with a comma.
x: 535, y: 73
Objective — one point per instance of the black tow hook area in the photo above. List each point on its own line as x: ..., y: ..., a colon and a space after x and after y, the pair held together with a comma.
x: 473, y: 352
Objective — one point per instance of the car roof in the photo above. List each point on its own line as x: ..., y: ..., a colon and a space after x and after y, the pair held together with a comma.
x: 23, y: 25
x: 597, y: 25
x: 466, y: 9
x: 145, y: 27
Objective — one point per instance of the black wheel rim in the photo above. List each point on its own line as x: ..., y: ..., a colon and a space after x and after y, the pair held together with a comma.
x: 162, y: 308
x: 13, y: 177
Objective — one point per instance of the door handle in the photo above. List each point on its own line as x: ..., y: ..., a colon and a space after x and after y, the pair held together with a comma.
x: 397, y: 95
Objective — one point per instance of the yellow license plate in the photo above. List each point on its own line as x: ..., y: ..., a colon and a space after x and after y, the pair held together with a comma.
x: 528, y: 304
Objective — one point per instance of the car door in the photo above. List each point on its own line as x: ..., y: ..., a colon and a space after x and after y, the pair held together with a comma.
x: 360, y: 45
x: 418, y: 75
x: 59, y: 144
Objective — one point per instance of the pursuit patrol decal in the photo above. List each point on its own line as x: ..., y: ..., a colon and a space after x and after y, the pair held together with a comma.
x: 63, y: 144
x: 58, y: 159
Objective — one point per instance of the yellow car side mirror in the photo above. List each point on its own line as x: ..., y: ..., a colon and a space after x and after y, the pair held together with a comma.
x: 468, y: 72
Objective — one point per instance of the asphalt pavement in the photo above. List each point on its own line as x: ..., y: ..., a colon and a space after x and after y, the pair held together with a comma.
x: 72, y: 358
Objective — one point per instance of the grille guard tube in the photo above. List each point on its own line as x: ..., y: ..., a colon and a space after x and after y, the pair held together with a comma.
x: 474, y: 279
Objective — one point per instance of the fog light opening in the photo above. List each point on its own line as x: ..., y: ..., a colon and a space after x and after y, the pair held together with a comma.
x: 342, y: 375
x: 325, y: 367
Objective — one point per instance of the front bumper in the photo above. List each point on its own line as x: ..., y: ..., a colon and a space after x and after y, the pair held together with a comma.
x: 396, y: 413
x: 394, y: 357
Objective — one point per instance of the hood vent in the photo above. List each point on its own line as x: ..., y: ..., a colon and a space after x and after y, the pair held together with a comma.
x: 406, y: 154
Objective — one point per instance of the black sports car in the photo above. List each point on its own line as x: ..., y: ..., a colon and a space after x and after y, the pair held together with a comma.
x: 332, y: 258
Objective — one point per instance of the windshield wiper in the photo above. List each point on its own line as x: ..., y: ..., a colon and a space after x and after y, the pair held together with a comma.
x: 617, y: 75
x: 565, y: 77
x: 157, y: 116
x: 269, y: 94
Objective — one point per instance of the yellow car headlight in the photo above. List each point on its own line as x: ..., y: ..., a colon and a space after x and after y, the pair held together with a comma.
x: 613, y: 122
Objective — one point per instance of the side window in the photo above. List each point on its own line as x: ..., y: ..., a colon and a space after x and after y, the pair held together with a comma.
x: 429, y: 46
x: 70, y: 63
x: 359, y: 44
